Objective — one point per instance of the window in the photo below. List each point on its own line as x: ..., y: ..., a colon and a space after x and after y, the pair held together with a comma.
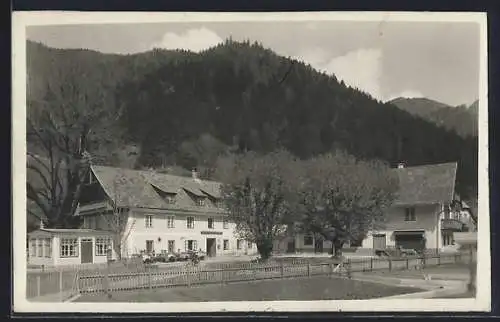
x: 39, y: 248
x: 69, y: 247
x: 32, y: 247
x: 101, y: 246
x: 448, y: 239
x: 47, y: 247
x: 190, y: 245
x: 308, y: 240
x: 226, y: 244
x: 170, y: 199
x: 190, y: 222
x: 170, y: 221
x: 211, y: 223
x: 250, y: 245
x: 200, y: 201
x: 239, y: 243
x: 225, y: 224
x: 150, y: 246
x: 171, y: 246
x: 410, y: 214
x: 149, y: 221
x: 219, y: 204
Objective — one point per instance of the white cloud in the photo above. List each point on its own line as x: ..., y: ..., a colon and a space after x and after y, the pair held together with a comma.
x: 406, y: 94
x: 193, y: 39
x: 360, y: 68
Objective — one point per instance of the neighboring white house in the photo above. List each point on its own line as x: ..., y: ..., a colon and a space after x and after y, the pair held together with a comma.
x: 51, y: 247
x: 420, y: 218
x: 161, y: 212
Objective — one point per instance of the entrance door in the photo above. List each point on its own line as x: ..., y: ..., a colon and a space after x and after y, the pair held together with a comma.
x: 171, y: 246
x: 318, y: 245
x: 379, y: 241
x: 211, y: 247
x: 86, y: 247
x: 149, y: 246
x: 291, y: 246
x: 411, y: 241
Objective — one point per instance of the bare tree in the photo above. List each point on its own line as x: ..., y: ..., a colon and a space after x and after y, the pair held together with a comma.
x: 58, y: 130
x: 257, y: 191
x: 344, y: 198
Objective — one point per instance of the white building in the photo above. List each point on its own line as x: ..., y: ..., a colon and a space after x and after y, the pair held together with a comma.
x: 149, y: 211
x: 420, y: 218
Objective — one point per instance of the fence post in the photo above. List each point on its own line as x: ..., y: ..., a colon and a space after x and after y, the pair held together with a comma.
x: 423, y: 260
x: 309, y: 269
x: 439, y: 259
x: 407, y: 263
x: 331, y: 270
x: 38, y: 285
x: 106, y: 280
x: 349, y: 268
x: 61, y: 285
x: 371, y: 264
x: 150, y: 282
x: 282, y: 273
x: 390, y: 264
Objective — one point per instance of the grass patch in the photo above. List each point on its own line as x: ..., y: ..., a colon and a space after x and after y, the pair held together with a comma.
x: 303, y: 289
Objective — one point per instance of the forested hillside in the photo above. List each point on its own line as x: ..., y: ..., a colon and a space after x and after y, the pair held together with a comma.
x: 461, y: 119
x: 163, y: 108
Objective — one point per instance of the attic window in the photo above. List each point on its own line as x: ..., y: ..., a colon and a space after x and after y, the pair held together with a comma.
x: 170, y: 198
x: 410, y: 214
x: 200, y: 201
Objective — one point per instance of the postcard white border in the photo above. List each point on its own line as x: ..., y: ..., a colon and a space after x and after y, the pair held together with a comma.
x: 20, y: 20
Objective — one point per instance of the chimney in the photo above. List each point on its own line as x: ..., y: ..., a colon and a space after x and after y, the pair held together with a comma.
x: 194, y: 174
x: 42, y: 226
x: 401, y: 165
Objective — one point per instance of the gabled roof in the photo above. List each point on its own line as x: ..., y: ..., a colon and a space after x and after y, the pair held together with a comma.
x: 137, y: 188
x: 427, y: 184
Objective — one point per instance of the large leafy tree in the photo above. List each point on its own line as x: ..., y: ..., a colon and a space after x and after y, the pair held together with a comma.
x: 343, y: 198
x: 258, y: 191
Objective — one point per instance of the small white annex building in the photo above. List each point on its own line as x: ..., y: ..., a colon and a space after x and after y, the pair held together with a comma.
x: 55, y: 247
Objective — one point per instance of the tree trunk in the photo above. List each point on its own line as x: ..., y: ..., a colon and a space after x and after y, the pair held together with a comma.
x: 265, y: 248
x: 337, y: 246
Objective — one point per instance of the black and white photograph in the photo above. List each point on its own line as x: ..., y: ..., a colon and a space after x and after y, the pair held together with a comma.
x: 211, y: 162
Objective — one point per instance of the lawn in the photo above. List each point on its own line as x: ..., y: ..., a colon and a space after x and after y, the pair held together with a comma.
x: 304, y: 289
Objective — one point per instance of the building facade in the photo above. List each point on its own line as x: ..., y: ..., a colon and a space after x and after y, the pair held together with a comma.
x: 422, y: 217
x: 152, y: 212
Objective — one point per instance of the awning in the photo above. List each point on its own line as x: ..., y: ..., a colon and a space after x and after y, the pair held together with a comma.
x: 409, y: 232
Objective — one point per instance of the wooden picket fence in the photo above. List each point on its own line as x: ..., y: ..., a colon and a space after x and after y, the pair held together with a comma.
x: 188, y: 275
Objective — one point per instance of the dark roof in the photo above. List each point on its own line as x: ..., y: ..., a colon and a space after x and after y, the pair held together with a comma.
x: 427, y: 184
x: 55, y: 231
x: 139, y: 188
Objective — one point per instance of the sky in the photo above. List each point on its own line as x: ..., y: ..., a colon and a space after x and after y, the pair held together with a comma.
x: 437, y: 60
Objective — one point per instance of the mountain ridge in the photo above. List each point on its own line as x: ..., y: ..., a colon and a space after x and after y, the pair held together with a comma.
x: 170, y: 105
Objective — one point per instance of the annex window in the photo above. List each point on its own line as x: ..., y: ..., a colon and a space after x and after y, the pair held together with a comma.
x: 101, y: 246
x: 32, y: 247
x: 190, y: 222
x: 250, y: 245
x: 211, y: 223
x: 410, y: 214
x: 225, y: 224
x: 149, y: 221
x: 226, y: 244
x: 47, y: 247
x: 39, y: 247
x: 308, y: 240
x: 170, y: 221
x: 219, y: 204
x: 170, y: 199
x: 69, y: 247
x: 239, y: 244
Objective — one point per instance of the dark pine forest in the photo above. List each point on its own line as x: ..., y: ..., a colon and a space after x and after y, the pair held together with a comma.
x: 163, y: 108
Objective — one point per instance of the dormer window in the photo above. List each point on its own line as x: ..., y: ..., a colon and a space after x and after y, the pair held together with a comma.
x: 200, y: 202
x: 170, y: 199
x: 410, y: 214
